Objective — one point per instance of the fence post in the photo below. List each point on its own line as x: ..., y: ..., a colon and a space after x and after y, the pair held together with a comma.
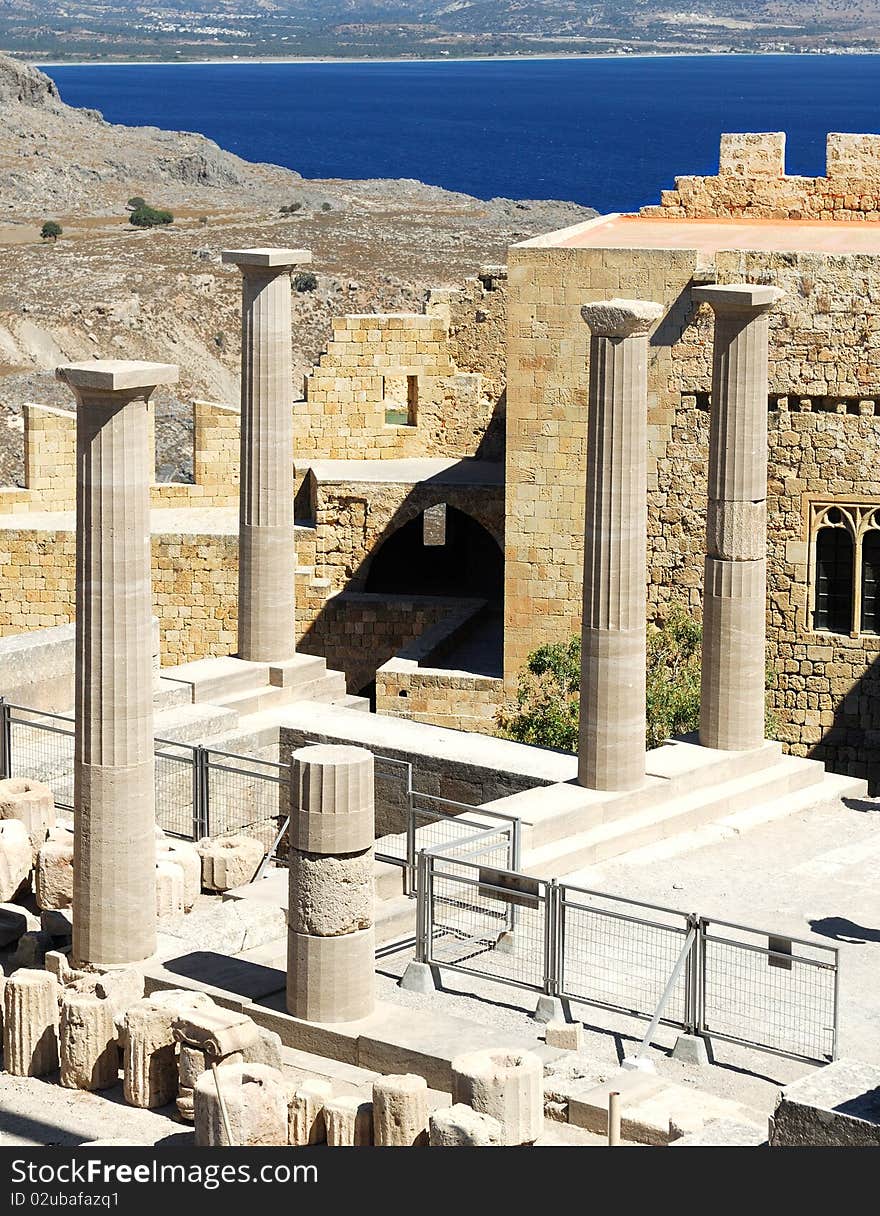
x: 692, y: 983
x: 5, y: 739
x: 201, y: 793
x: 410, y: 869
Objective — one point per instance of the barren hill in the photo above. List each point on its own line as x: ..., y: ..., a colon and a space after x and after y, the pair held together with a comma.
x: 107, y: 289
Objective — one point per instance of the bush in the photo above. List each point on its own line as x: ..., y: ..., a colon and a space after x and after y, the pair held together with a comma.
x: 326, y: 207
x: 134, y: 203
x: 305, y: 281
x: 150, y: 217
x: 51, y: 231
x: 546, y: 708
x: 289, y: 210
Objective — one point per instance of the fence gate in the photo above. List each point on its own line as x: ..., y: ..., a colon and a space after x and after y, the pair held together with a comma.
x: 777, y: 993
x: 621, y: 954
x: 481, y: 918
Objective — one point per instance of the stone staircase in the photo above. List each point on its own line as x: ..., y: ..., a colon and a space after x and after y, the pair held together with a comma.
x: 250, y: 689
x: 689, y: 789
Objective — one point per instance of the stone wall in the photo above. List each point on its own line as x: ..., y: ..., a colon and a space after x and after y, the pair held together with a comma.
x: 450, y: 357
x: 752, y: 181
x: 824, y: 435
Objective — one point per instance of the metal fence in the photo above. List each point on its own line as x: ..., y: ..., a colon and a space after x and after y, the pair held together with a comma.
x: 702, y: 976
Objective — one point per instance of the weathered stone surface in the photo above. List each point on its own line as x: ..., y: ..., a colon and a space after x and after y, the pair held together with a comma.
x: 30, y: 1023
x: 31, y: 949
x: 32, y: 803
x: 332, y: 799
x: 15, y: 858
x: 187, y: 856
x: 265, y: 1050
x: 508, y: 1085
x: 54, y: 872
x: 14, y: 921
x: 567, y: 1035
x: 58, y: 923
x: 331, y: 979
x: 400, y: 1110
x: 256, y: 1105
x: 736, y: 531
x: 229, y: 861
x: 169, y: 888
x: 216, y: 1031
x: 331, y: 895
x: 838, y: 1105
x: 149, y: 1050
x: 90, y: 1056
x: 120, y: 988
x: 348, y: 1121
x: 306, y: 1112
x: 462, y: 1126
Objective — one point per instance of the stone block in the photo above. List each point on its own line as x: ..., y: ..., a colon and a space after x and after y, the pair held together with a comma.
x: 838, y: 1105
x: 216, y: 1031
x: 30, y: 1023
x: 306, y: 1112
x: 15, y: 921
x: 752, y: 154
x: 229, y: 861
x: 567, y: 1035
x: 187, y: 857
x: 736, y: 531
x: 461, y: 1126
x: 256, y: 1106
x: 15, y: 858
x: 265, y: 1050
x: 33, y: 804
x: 149, y: 1048
x: 58, y: 923
x: 54, y: 872
x: 331, y: 979
x: 89, y: 1052
x: 400, y: 1111
x: 169, y: 888
x: 31, y: 950
x: 331, y: 895
x: 332, y: 799
x: 508, y: 1085
x: 348, y: 1121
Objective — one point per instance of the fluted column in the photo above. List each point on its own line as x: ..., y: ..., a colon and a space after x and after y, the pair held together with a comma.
x: 266, y: 553
x: 114, y: 863
x: 734, y: 587
x: 611, y: 755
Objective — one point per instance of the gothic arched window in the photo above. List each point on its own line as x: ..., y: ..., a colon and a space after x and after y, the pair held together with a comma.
x: 833, y: 603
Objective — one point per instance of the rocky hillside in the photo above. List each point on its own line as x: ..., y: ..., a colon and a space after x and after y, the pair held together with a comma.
x: 107, y: 289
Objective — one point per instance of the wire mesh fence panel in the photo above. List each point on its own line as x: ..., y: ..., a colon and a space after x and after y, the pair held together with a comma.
x: 41, y: 747
x: 246, y: 795
x: 769, y: 991
x: 485, y: 919
x: 620, y: 954
x: 442, y: 825
x: 176, y: 808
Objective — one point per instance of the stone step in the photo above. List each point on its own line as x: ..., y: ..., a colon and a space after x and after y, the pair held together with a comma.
x: 350, y: 701
x: 218, y: 676
x: 389, y: 880
x: 169, y: 693
x: 394, y: 919
x: 554, y: 813
x: 677, y: 814
x: 829, y: 792
x: 654, y: 1110
x: 194, y: 723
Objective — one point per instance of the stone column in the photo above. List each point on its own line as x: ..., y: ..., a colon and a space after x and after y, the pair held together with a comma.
x: 331, y: 941
x: 611, y: 755
x: 114, y: 891
x: 734, y: 588
x: 266, y: 555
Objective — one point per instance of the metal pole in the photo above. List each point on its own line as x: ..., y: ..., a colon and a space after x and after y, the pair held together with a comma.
x: 421, y: 894
x: 223, y: 1112
x: 667, y: 991
x: 613, y: 1119
x: 5, y: 739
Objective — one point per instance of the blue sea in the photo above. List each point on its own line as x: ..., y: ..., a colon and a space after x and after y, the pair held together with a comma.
x: 610, y: 133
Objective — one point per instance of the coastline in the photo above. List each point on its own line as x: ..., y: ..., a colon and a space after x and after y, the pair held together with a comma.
x: 307, y: 60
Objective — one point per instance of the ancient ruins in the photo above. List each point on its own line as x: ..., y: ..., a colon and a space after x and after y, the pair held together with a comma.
x: 243, y: 882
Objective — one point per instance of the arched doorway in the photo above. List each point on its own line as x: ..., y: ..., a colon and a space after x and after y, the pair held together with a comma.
x: 446, y: 552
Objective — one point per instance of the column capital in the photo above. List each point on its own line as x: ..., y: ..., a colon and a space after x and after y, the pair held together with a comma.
x: 621, y: 318
x: 116, y: 378
x: 263, y: 261
x: 738, y: 297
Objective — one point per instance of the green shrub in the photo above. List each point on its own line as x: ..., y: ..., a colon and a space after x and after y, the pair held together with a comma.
x: 545, y: 711
x: 51, y: 231
x: 135, y: 203
x: 150, y: 217
x: 326, y: 207
x: 305, y: 281
x: 291, y: 208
